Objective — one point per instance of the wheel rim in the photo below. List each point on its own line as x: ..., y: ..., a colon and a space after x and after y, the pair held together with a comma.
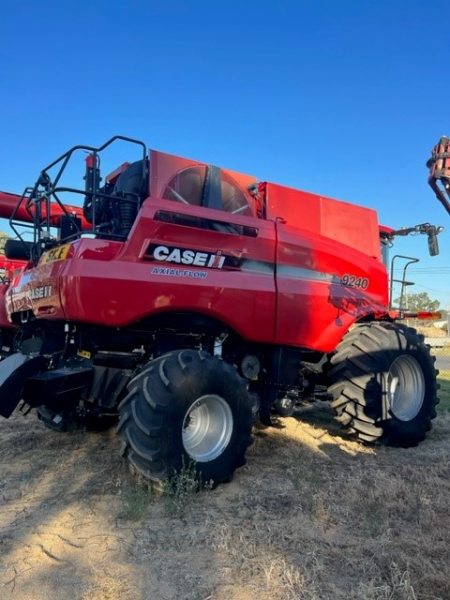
x: 406, y: 387
x: 207, y: 428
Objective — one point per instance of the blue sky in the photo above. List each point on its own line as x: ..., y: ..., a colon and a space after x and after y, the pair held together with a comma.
x: 340, y: 97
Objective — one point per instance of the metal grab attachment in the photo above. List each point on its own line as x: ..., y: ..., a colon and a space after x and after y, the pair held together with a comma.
x: 439, y: 166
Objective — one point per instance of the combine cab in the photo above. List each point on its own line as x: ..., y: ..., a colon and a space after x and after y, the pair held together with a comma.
x: 186, y: 301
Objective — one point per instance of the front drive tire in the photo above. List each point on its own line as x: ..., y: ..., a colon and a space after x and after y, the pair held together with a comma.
x: 383, y: 384
x: 184, y: 407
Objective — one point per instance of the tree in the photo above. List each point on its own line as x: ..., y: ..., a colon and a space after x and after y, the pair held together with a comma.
x: 417, y: 302
x: 4, y: 237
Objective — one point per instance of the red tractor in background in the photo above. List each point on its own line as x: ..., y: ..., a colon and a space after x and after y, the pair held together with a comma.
x: 18, y: 256
x: 188, y: 300
x: 8, y: 331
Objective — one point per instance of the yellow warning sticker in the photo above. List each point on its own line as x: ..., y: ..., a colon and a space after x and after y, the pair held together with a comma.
x: 58, y: 253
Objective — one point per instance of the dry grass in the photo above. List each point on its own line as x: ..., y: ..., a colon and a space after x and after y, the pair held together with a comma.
x: 430, y: 330
x: 312, y: 516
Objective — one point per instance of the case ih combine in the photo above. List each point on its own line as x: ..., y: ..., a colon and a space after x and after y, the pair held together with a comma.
x: 187, y: 301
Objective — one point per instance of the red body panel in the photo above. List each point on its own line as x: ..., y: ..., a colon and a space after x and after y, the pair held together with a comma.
x: 301, y: 276
x: 314, y: 308
x: 352, y: 225
x: 97, y: 286
x: 320, y: 241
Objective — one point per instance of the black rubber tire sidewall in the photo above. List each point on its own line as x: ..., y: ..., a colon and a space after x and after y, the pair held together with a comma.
x: 358, y: 383
x: 152, y: 415
x: 410, y: 433
x: 233, y: 392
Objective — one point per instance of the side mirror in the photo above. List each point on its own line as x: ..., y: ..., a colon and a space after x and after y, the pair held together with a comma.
x: 433, y: 246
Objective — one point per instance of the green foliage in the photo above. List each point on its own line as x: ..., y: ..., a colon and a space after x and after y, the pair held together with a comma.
x: 136, y: 495
x: 416, y: 302
x: 3, y: 239
x: 182, y: 486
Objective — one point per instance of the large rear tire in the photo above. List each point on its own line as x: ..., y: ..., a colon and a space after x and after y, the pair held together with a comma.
x: 186, y: 407
x: 383, y: 384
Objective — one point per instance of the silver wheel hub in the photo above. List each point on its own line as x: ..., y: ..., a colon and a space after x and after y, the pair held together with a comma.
x: 207, y: 428
x: 405, y: 388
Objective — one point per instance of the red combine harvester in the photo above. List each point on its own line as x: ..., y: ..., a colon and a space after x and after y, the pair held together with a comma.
x: 18, y: 255
x: 7, y: 330
x: 188, y: 300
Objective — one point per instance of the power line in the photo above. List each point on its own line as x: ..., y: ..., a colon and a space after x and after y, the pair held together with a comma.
x: 425, y: 271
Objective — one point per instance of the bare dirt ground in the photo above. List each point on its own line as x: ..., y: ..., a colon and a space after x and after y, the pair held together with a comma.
x: 312, y: 515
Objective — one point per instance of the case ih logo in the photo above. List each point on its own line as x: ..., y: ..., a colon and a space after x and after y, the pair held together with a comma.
x: 43, y: 291
x: 182, y: 256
